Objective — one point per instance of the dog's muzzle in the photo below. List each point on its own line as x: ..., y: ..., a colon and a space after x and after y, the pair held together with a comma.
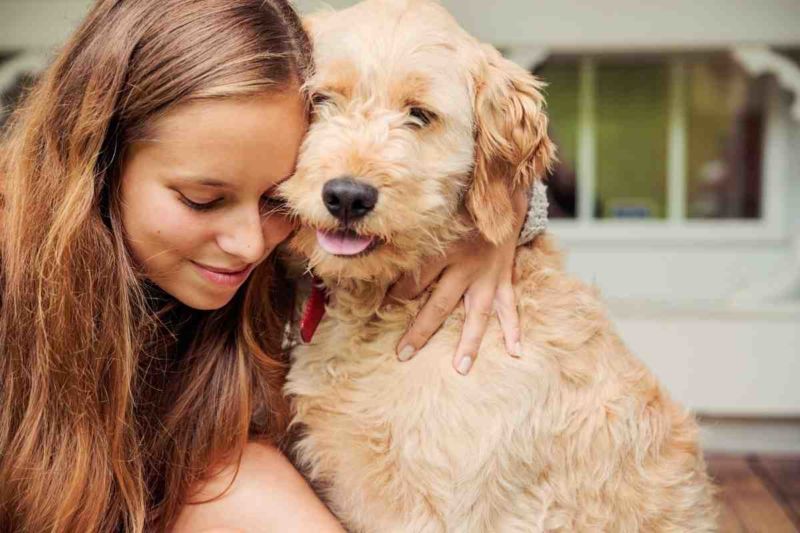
x: 348, y: 200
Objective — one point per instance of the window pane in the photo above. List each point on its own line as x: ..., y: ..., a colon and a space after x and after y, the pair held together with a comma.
x: 561, y: 94
x: 726, y: 118
x: 631, y: 104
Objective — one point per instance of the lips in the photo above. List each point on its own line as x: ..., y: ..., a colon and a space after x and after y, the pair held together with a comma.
x: 344, y: 243
x: 224, y: 277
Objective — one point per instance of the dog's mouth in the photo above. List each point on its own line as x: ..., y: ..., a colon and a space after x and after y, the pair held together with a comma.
x: 346, y: 243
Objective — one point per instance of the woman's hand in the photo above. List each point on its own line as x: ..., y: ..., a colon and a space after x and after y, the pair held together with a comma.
x: 481, y: 273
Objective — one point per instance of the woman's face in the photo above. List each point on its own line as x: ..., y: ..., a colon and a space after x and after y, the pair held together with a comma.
x: 197, y: 194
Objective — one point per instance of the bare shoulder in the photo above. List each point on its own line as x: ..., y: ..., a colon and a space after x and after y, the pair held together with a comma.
x: 267, y: 494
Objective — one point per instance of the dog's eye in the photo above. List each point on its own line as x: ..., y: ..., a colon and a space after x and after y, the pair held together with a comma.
x: 420, y: 117
x: 320, y: 99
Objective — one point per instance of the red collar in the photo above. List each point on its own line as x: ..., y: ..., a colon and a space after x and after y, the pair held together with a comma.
x: 314, y: 310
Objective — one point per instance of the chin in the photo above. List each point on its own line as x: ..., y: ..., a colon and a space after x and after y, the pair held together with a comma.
x: 206, y: 302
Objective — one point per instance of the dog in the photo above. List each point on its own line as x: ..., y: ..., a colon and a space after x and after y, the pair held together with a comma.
x: 420, y: 135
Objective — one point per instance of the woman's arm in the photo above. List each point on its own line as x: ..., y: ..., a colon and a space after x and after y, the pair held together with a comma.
x: 267, y: 494
x: 481, y: 273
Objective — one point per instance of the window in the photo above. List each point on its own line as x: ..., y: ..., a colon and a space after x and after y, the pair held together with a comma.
x: 725, y: 131
x: 563, y: 79
x: 656, y: 137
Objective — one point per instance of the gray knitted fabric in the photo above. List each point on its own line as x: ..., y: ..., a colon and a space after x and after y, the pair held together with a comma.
x: 536, y: 219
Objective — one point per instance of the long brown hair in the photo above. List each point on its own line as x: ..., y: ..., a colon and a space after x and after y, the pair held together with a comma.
x: 113, y: 399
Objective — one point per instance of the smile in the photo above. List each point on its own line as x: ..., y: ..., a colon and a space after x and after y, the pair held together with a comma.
x: 346, y: 243
x: 223, y: 277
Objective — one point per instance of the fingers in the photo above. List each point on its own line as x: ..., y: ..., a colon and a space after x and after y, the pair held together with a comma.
x: 480, y: 273
x: 432, y: 315
x: 409, y: 286
x: 478, y: 304
x: 506, y: 308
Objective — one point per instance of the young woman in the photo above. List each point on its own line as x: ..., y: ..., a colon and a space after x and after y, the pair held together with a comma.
x: 142, y: 310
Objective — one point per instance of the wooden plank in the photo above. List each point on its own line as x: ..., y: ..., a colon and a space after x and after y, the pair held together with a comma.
x: 747, y: 504
x: 783, y: 477
x: 728, y: 521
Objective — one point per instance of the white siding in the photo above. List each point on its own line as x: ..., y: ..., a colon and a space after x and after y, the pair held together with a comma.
x: 550, y: 23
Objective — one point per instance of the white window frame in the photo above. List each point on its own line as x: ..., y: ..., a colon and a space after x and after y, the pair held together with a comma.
x: 771, y: 228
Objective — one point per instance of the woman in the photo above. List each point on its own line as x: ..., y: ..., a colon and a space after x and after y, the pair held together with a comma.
x: 142, y: 311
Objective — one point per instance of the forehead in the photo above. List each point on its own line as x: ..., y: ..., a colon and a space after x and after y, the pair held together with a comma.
x: 395, y: 49
x: 245, y: 140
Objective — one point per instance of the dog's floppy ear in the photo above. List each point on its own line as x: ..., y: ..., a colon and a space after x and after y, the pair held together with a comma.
x: 512, y: 146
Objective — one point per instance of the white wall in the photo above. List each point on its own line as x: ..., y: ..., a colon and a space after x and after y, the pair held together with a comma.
x: 550, y: 23
x: 693, y: 273
x: 622, y: 23
x: 628, y: 23
x: 38, y: 24
x: 733, y: 363
x: 793, y: 185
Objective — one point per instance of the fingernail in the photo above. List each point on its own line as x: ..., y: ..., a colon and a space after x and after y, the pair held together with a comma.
x: 464, y: 365
x: 516, y: 351
x: 406, y: 352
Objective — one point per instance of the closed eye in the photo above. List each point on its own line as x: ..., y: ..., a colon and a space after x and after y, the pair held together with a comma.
x: 199, y: 206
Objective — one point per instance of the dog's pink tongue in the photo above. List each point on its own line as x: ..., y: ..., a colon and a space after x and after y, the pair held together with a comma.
x: 339, y: 243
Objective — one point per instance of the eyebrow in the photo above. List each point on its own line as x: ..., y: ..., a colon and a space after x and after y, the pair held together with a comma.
x: 219, y: 184
x: 192, y: 180
x: 208, y: 182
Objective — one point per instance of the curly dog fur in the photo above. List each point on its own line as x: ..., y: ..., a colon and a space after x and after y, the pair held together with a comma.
x: 575, y: 435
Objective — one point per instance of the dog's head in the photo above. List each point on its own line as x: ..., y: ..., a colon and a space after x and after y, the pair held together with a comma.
x: 415, y: 125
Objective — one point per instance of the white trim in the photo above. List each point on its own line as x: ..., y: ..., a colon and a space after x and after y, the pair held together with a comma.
x: 761, y: 60
x: 775, y: 163
x: 715, y: 309
x: 750, y: 435
x: 586, y: 164
x: 681, y: 233
x: 527, y: 57
x: 677, y: 141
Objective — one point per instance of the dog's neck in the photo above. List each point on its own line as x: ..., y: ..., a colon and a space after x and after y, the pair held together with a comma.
x: 358, y: 306
x: 358, y: 298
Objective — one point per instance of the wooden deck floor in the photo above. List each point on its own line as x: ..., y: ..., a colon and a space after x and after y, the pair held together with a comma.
x: 758, y: 494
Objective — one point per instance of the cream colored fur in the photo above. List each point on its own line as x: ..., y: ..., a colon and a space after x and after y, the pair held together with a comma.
x: 575, y: 435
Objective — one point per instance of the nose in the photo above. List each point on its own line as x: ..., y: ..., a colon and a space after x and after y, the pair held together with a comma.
x: 348, y: 199
x: 244, y: 238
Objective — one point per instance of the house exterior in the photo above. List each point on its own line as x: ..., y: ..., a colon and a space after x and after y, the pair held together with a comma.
x: 678, y: 195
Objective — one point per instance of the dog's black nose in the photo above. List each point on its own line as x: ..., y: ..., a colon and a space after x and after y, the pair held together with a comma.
x: 348, y: 199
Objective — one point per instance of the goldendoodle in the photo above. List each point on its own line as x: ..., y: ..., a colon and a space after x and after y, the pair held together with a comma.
x: 419, y: 136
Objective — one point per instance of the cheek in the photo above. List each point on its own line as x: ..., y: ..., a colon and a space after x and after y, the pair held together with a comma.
x: 276, y: 229
x: 160, y: 230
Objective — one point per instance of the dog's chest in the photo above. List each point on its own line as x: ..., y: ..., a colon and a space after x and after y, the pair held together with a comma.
x: 419, y: 429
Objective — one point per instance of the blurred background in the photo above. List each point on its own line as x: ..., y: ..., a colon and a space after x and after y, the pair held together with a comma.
x: 677, y: 194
